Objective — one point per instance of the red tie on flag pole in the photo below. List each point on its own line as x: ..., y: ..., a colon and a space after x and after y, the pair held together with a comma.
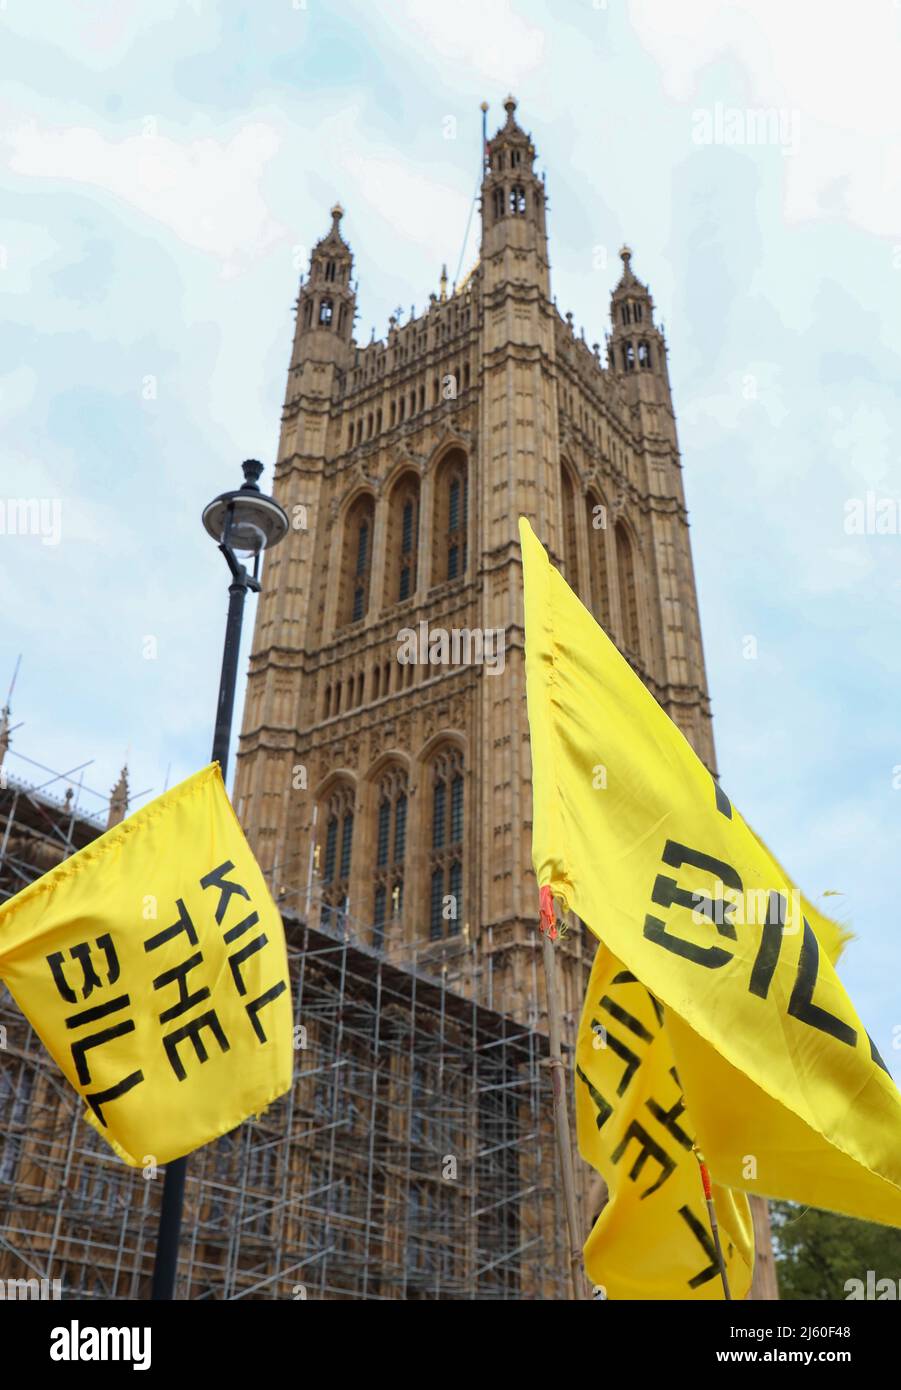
x: 714, y: 1224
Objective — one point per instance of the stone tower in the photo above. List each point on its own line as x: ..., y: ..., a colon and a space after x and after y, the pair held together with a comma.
x: 393, y: 796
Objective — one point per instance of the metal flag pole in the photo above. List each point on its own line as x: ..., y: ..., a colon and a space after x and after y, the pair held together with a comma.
x: 714, y: 1224
x: 548, y: 929
x: 243, y: 522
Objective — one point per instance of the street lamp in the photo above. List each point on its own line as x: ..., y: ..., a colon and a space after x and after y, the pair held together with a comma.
x: 243, y: 523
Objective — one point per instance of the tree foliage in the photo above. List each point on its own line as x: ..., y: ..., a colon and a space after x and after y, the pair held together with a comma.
x: 818, y: 1251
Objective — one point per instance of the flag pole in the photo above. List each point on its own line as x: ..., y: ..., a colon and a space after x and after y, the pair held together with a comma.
x: 714, y: 1224
x: 548, y: 930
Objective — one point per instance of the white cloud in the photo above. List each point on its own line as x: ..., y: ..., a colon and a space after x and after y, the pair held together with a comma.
x: 205, y: 191
x: 848, y: 161
x: 484, y: 35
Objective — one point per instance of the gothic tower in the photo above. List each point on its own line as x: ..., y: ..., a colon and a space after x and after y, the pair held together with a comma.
x: 393, y: 796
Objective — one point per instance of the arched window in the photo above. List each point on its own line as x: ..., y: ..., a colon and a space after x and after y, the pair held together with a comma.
x: 629, y: 357
x: 639, y: 313
x: 644, y: 355
x: 498, y: 203
x: 626, y: 314
x: 330, y: 270
x: 356, y: 565
x: 517, y: 199
x: 390, y: 851
x: 446, y: 855
x: 599, y: 601
x: 308, y: 313
x: 325, y: 311
x: 401, y: 570
x: 450, y: 520
x: 335, y: 856
x: 628, y: 596
x: 570, y: 552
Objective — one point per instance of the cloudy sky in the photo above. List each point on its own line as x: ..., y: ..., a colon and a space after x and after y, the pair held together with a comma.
x: 166, y: 166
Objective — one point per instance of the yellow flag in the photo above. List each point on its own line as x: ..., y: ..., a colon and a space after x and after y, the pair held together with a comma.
x: 653, y: 1238
x: 152, y: 965
x: 787, y: 1092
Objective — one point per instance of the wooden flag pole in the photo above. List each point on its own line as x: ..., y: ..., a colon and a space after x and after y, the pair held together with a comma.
x: 548, y: 929
x: 714, y: 1224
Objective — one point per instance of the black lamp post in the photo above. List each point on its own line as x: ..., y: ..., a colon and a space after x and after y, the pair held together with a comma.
x: 243, y: 523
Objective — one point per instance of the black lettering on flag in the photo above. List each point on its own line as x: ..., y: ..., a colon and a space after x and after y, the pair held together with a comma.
x: 255, y: 1005
x: 668, y: 1118
x: 192, y: 1030
x: 234, y: 932
x: 770, y: 945
x: 705, y: 1240
x: 97, y: 1099
x: 184, y: 924
x: 186, y: 1000
x: 216, y: 879
x: 238, y: 959
x: 723, y: 804
x: 649, y: 1149
x: 623, y: 1016
x: 81, y: 1048
x: 604, y: 1108
x: 90, y: 980
x: 801, y: 1004
x: 625, y: 1054
x: 667, y: 893
x: 874, y: 1053
x: 625, y: 977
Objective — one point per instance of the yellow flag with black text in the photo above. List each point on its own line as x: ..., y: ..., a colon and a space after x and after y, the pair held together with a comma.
x: 788, y: 1095
x: 152, y: 965
x: 653, y: 1238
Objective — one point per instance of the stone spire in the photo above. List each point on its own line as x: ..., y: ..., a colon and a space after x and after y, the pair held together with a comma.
x: 118, y: 801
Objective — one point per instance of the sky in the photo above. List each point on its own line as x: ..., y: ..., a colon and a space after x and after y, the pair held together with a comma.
x: 166, y: 167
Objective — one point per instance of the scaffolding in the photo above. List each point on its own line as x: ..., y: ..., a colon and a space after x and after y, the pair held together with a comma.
x: 412, y: 1159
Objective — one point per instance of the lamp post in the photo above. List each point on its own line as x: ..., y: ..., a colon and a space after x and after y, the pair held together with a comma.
x: 243, y: 523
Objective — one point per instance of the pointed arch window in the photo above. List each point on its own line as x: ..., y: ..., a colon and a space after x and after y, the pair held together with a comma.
x: 517, y: 199
x: 308, y: 313
x: 391, y: 850
x: 450, y: 552
x: 599, y: 602
x: 356, y: 566
x: 570, y: 547
x: 498, y: 203
x: 644, y: 355
x: 629, y: 357
x: 330, y: 270
x: 325, y: 311
x: 628, y: 595
x: 401, y: 570
x: 337, y: 856
x: 446, y: 857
